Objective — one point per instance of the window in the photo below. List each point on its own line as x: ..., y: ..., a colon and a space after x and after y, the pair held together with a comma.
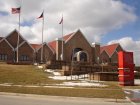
x: 24, y: 58
x: 3, y: 57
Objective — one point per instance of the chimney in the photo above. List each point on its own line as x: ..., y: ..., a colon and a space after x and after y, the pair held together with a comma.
x: 59, y: 48
x: 96, y: 52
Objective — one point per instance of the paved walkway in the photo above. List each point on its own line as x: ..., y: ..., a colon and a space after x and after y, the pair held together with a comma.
x: 28, y: 99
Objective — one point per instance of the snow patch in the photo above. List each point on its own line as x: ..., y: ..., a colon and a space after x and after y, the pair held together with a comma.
x: 84, y: 83
x: 40, y: 67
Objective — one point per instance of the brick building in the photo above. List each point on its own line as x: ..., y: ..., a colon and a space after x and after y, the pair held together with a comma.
x: 75, y: 45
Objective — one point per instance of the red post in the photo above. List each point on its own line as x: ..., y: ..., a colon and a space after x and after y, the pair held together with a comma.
x: 126, y: 68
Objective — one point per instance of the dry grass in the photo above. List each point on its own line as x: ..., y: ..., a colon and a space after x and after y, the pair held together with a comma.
x: 131, y: 87
x: 24, y: 74
x: 30, y: 75
x: 71, y: 92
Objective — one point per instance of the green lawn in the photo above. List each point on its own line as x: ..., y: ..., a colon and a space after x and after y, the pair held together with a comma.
x: 30, y: 75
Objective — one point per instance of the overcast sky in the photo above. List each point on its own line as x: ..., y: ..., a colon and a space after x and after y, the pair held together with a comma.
x: 103, y: 21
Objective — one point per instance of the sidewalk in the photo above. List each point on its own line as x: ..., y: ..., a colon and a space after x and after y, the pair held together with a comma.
x: 95, y: 101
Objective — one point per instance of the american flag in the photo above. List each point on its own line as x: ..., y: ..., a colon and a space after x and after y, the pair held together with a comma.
x: 15, y: 10
x: 61, y: 21
x: 41, y: 16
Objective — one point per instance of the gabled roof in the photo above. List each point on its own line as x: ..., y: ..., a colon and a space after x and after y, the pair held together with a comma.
x: 17, y: 33
x: 1, y: 38
x: 53, y: 43
x: 23, y: 44
x: 5, y: 38
x: 67, y: 37
x: 36, y: 46
x: 7, y: 43
x: 110, y: 49
x: 74, y: 33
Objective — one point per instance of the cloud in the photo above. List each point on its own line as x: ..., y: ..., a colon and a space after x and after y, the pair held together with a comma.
x: 94, y: 17
x: 129, y: 44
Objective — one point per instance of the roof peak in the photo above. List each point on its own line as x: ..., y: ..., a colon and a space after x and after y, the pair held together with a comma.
x: 110, y: 44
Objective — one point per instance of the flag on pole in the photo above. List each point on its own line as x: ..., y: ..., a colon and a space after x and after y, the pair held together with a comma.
x: 15, y: 10
x: 41, y: 16
x: 61, y: 21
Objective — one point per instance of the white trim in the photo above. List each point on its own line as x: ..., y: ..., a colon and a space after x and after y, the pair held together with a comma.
x: 115, y: 50
x: 5, y: 38
x: 74, y: 34
x: 70, y: 37
x: 123, y: 75
x: 51, y: 49
x: 20, y: 45
x: 112, y: 53
x: 47, y: 45
x: 23, y: 44
x: 7, y: 43
x: 123, y: 68
x: 78, y: 55
x: 105, y: 52
x: 12, y: 32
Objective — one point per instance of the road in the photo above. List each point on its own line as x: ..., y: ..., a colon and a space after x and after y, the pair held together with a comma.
x: 133, y: 95
x: 22, y: 99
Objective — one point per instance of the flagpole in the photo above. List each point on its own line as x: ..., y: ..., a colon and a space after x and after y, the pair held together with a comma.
x: 18, y: 37
x: 18, y: 33
x: 62, y: 41
x: 42, y: 38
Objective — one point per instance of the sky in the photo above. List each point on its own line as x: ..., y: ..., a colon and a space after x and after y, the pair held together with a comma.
x: 102, y: 21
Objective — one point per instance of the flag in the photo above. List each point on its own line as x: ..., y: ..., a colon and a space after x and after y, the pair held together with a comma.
x: 15, y: 10
x: 41, y: 16
x: 61, y: 21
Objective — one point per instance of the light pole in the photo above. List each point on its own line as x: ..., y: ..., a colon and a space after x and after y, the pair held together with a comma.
x: 72, y: 63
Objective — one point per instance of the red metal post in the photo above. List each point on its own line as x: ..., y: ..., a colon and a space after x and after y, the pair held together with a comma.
x: 126, y: 68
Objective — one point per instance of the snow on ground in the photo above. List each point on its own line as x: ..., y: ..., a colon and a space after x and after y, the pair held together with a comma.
x: 53, y: 72
x: 49, y: 71
x: 40, y: 67
x: 137, y: 81
x: 73, y: 77
x: 82, y: 82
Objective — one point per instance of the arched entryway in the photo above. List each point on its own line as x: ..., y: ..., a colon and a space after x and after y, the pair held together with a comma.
x: 82, y: 56
x: 79, y: 54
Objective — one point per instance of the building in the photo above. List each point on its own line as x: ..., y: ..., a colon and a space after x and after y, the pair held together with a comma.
x: 75, y: 48
x: 109, y: 53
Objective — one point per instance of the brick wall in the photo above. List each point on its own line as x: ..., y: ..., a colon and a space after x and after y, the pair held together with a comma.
x: 77, y: 41
x: 104, y: 58
x: 25, y: 49
x: 47, y: 54
x: 12, y: 39
x: 6, y: 49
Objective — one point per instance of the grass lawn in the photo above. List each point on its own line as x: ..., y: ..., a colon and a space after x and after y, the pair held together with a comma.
x: 71, y: 92
x: 24, y: 74
x: 30, y: 75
